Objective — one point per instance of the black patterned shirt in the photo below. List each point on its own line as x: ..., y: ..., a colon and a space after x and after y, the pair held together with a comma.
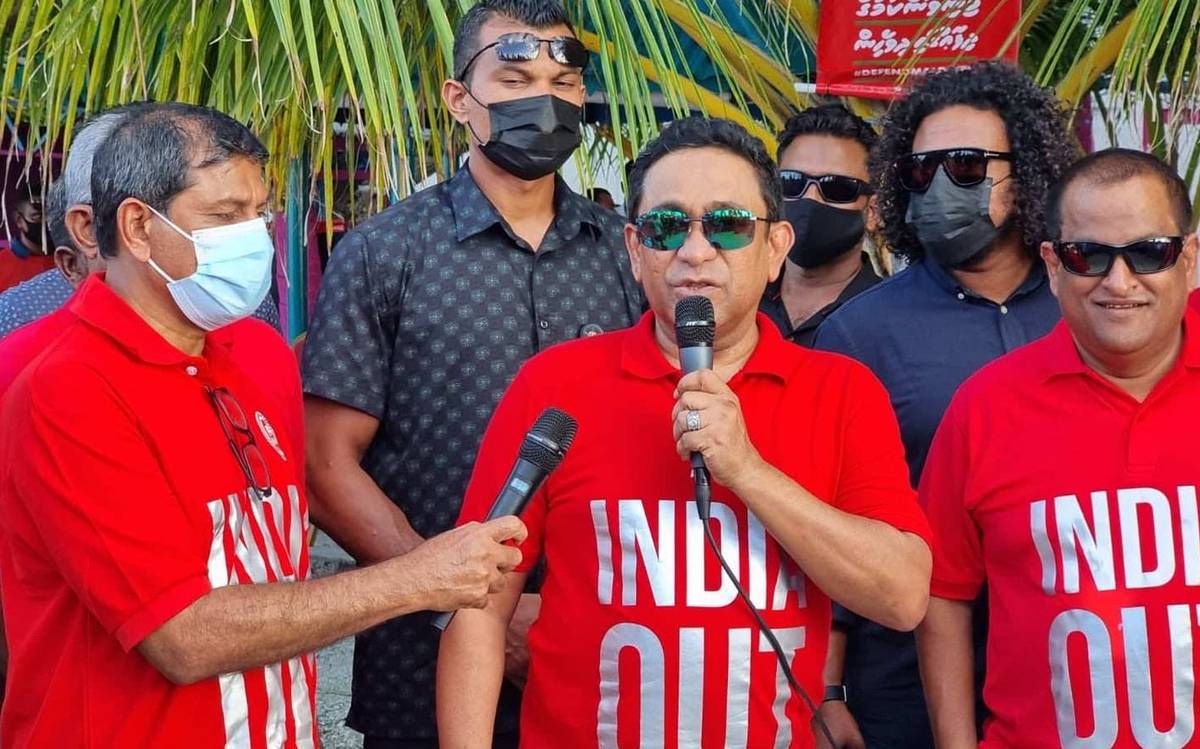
x: 426, y: 312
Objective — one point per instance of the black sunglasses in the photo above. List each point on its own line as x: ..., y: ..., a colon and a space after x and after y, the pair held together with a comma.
x: 249, y: 458
x: 834, y: 188
x: 724, y: 228
x: 1096, y: 259
x: 966, y: 167
x: 522, y: 46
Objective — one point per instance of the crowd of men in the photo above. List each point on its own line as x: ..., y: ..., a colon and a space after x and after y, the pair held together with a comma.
x: 989, y: 448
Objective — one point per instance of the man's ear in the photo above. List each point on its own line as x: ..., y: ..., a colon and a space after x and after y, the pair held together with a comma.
x: 633, y: 247
x: 1053, y: 265
x: 82, y: 230
x: 780, y: 236
x: 455, y: 96
x: 872, y: 214
x: 72, y: 264
x: 133, y: 227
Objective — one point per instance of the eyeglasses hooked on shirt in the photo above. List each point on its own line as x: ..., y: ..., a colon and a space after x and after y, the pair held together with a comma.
x: 250, y: 458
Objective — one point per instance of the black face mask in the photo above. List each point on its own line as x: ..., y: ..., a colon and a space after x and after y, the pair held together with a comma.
x: 533, y: 136
x: 822, y: 232
x: 952, y: 223
x: 33, y: 232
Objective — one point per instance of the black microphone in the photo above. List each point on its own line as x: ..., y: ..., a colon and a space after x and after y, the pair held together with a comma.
x: 695, y: 328
x: 544, y: 447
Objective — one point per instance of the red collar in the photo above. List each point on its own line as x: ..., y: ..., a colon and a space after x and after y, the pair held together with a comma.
x: 1062, y: 355
x: 641, y: 356
x: 102, y: 308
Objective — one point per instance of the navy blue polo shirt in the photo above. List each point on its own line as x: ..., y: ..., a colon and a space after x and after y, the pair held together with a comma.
x: 922, y: 334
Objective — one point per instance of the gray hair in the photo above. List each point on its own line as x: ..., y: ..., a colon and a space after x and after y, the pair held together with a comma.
x: 77, y: 174
x: 56, y: 214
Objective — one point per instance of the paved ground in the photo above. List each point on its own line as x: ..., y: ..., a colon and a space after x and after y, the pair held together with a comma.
x: 333, y: 663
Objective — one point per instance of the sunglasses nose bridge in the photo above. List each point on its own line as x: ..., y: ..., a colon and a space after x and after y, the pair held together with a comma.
x: 696, y: 247
x: 812, y: 191
x: 1121, y: 274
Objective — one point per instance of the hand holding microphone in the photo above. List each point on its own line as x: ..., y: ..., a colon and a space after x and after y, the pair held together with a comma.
x: 710, y: 431
x: 542, y: 450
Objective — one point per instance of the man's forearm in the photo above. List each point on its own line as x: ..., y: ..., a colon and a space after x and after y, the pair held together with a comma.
x: 947, y: 657
x: 866, y: 565
x: 347, y: 504
x: 239, y: 627
x: 470, y: 670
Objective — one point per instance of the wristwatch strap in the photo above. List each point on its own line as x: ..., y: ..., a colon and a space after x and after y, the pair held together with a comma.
x: 836, y: 693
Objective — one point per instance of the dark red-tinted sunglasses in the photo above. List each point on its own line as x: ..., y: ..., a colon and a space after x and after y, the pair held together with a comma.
x: 966, y: 167
x: 1096, y: 259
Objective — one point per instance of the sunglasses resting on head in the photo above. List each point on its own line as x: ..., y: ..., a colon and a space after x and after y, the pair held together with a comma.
x: 522, y: 46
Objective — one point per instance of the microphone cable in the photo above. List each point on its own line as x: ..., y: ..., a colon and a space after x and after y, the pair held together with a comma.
x: 766, y: 631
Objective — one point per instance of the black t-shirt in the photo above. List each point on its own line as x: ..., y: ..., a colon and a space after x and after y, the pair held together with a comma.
x: 772, y: 305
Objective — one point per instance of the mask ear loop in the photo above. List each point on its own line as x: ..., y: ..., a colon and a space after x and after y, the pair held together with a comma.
x: 478, y: 140
x: 181, y: 232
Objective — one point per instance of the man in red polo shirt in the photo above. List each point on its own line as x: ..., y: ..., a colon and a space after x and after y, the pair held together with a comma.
x: 152, y: 516
x: 1064, y: 476
x: 640, y: 640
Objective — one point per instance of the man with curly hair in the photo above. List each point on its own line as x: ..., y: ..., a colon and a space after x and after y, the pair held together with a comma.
x: 962, y: 170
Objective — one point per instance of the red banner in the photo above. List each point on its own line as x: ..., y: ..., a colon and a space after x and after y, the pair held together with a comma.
x: 873, y: 48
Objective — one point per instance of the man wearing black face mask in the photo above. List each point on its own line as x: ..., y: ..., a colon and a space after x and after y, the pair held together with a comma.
x: 427, y: 311
x: 26, y: 257
x: 823, y: 163
x: 962, y: 170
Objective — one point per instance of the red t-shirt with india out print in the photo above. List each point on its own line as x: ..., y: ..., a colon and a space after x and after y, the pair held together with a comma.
x: 641, y: 642
x: 122, y: 503
x: 1077, y: 506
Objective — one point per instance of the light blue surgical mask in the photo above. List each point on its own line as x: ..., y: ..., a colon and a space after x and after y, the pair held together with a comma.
x: 233, y: 272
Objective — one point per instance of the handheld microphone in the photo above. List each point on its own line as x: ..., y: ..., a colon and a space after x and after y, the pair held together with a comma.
x: 544, y: 447
x: 695, y: 328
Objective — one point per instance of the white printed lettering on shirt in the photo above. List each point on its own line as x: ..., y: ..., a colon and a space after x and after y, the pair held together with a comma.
x: 649, y: 553
x: 1147, y: 529
x: 266, y: 540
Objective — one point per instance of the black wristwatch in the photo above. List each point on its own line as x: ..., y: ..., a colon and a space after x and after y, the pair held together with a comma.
x: 836, y: 693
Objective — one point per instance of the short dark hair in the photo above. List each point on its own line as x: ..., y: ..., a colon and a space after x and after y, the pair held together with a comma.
x: 24, y: 198
x: 151, y: 154
x: 596, y: 192
x: 1118, y: 165
x: 828, y: 119
x: 1034, y: 120
x: 536, y: 14
x: 56, y: 214
x: 705, y: 132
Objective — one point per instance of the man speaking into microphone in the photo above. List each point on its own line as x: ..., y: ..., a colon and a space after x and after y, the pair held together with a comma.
x: 643, y: 640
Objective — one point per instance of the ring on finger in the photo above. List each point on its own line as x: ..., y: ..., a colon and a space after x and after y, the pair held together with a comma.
x: 693, y: 420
